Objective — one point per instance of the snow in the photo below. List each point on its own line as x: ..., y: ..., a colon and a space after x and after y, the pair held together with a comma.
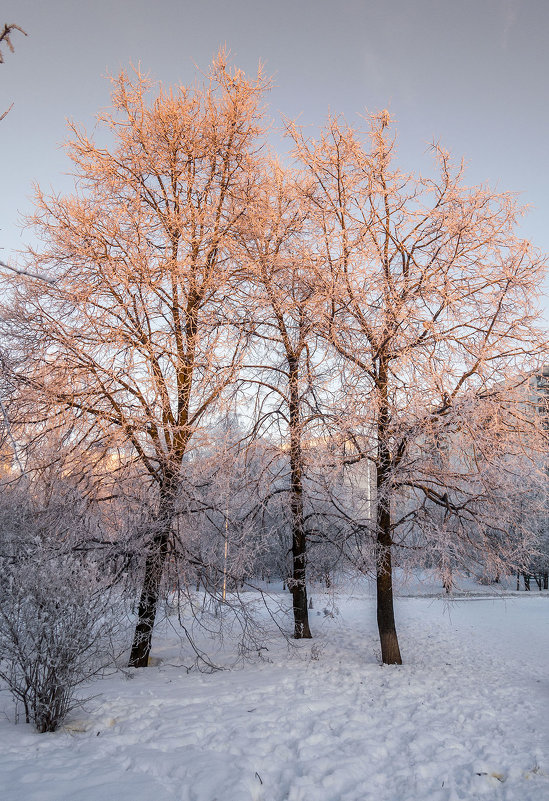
x: 464, y: 718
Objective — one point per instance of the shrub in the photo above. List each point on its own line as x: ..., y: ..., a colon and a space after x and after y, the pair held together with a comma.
x: 56, y: 627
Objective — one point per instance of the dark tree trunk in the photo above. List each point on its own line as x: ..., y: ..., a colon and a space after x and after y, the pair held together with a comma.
x: 298, y: 584
x: 526, y: 577
x: 390, y: 651
x: 154, y: 567
x: 546, y: 581
x: 299, y: 588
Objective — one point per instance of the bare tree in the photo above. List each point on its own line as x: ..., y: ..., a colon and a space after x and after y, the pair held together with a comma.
x: 431, y: 303
x: 284, y: 304
x: 136, y: 333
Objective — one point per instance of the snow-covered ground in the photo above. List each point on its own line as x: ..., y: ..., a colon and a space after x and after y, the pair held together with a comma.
x: 466, y: 716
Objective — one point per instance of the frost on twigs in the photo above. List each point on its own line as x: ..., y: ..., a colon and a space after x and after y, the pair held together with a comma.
x: 55, y: 627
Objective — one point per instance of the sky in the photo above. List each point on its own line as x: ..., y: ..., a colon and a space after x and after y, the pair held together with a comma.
x: 470, y: 74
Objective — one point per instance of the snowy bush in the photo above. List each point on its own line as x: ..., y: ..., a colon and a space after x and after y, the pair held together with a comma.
x: 55, y: 630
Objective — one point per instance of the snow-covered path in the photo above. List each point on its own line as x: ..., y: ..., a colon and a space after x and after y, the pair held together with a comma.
x: 465, y: 718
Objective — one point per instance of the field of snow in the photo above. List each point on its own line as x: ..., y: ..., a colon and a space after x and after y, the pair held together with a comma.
x: 466, y: 716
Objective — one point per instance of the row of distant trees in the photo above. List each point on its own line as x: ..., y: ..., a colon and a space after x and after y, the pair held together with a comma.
x: 334, y: 351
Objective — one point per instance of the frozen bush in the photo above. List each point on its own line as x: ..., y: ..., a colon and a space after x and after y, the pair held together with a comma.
x: 56, y: 627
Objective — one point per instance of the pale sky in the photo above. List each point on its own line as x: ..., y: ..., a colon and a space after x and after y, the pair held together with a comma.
x: 471, y: 74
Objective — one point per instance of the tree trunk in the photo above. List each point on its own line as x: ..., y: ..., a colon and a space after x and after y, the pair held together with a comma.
x: 298, y: 585
x: 390, y: 651
x: 299, y: 588
x: 154, y: 567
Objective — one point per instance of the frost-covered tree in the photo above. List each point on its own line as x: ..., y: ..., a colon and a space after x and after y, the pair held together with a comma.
x: 286, y: 358
x: 135, y: 330
x: 431, y: 302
